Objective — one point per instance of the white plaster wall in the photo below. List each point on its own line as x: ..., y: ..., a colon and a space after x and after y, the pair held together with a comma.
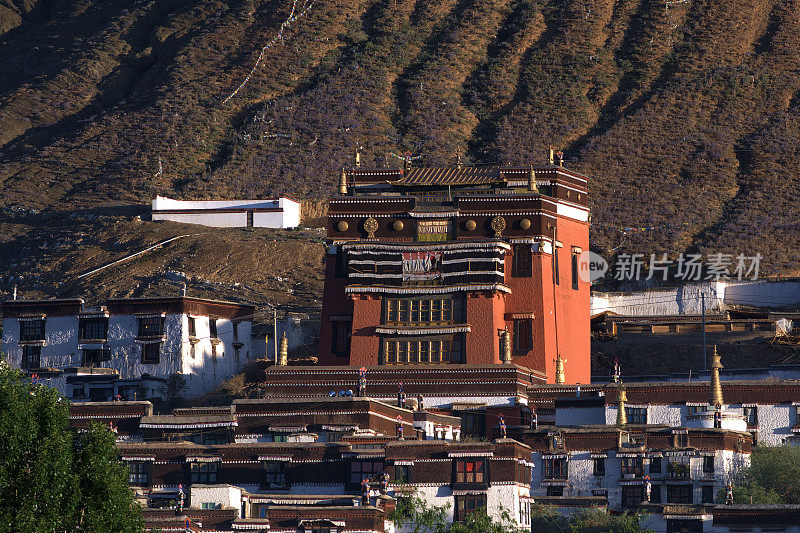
x: 126, y: 353
x: 498, y: 497
x: 671, y: 415
x: 225, y: 496
x: 774, y: 421
x: 682, y: 300
x: 289, y: 218
x: 763, y: 293
x: 61, y: 342
x: 217, y: 220
x: 204, y: 371
x: 291, y: 212
x: 576, y: 416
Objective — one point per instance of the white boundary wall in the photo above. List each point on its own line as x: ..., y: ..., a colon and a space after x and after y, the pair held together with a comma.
x: 687, y: 299
x: 282, y: 212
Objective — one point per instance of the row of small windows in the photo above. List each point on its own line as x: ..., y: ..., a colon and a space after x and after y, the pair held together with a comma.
x: 423, y: 311
x: 96, y: 328
x: 423, y: 351
x: 634, y: 495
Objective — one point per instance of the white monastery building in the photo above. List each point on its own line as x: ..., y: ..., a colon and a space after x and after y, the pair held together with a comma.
x: 128, y: 347
x: 282, y: 212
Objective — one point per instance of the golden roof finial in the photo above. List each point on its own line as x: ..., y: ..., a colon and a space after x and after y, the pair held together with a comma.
x: 622, y: 397
x: 532, y: 187
x: 343, y: 182
x: 559, y: 361
x: 284, y: 359
x: 458, y: 160
x: 357, y: 156
x: 552, y: 156
x: 716, y: 385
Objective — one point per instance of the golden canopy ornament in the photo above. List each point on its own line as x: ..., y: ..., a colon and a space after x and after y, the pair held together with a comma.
x: 498, y: 225
x: 371, y: 226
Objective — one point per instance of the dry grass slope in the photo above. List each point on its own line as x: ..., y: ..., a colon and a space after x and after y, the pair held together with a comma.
x: 687, y: 115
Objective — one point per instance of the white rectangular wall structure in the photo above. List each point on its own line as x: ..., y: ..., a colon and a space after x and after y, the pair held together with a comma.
x: 135, y: 341
x: 283, y: 212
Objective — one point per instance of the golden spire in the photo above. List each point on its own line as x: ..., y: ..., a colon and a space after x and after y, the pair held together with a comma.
x: 284, y: 359
x: 458, y: 160
x: 532, y: 180
x: 357, y: 156
x: 560, y: 369
x: 552, y: 156
x: 622, y: 397
x: 343, y: 182
x: 716, y: 386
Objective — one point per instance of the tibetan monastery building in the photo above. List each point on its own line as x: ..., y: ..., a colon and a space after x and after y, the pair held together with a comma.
x: 459, y: 266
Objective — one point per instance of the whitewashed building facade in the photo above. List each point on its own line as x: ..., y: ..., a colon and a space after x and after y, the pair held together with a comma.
x: 128, y: 347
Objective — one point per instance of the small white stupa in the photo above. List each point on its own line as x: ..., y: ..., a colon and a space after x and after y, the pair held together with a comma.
x: 716, y: 416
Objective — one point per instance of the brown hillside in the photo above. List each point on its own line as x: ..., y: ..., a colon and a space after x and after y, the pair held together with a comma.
x: 686, y: 116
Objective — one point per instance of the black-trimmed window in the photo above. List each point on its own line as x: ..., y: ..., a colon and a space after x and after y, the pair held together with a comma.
x: 340, y: 337
x: 522, y: 261
x: 341, y: 264
x: 138, y: 473
x: 402, y: 474
x: 555, y: 467
x: 636, y: 415
x: 523, y: 336
x: 360, y: 470
x: 151, y: 353
x: 708, y: 464
x: 94, y: 357
x: 556, y: 274
x: 274, y: 473
x: 31, y: 357
x: 574, y: 263
x: 31, y: 330
x: 192, y: 326
x: 204, y: 473
x: 599, y: 466
x: 655, y: 465
x: 152, y: 326
x: 679, y: 493
x: 423, y: 350
x: 469, y: 503
x: 632, y: 496
x: 707, y: 494
x: 555, y: 491
x: 470, y: 471
x: 95, y: 328
x: 632, y: 466
x: 212, y: 328
x: 473, y: 423
x: 751, y: 415
x: 655, y: 493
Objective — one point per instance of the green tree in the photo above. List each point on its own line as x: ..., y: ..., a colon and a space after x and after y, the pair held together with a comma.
x: 414, y: 513
x: 772, y: 477
x: 53, y: 478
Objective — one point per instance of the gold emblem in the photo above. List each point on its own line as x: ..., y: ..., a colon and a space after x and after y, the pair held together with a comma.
x: 371, y: 226
x: 398, y: 225
x: 342, y: 225
x: 498, y: 225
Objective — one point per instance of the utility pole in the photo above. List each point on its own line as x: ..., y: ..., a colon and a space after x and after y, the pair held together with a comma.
x: 703, y: 304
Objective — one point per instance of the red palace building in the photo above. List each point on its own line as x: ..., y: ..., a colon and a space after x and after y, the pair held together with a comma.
x: 458, y: 266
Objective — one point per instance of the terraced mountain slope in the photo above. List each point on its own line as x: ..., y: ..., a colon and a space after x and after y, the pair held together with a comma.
x: 686, y: 115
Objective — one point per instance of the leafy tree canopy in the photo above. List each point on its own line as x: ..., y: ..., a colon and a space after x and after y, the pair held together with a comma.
x: 771, y: 478
x: 415, y: 514
x: 52, y: 477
